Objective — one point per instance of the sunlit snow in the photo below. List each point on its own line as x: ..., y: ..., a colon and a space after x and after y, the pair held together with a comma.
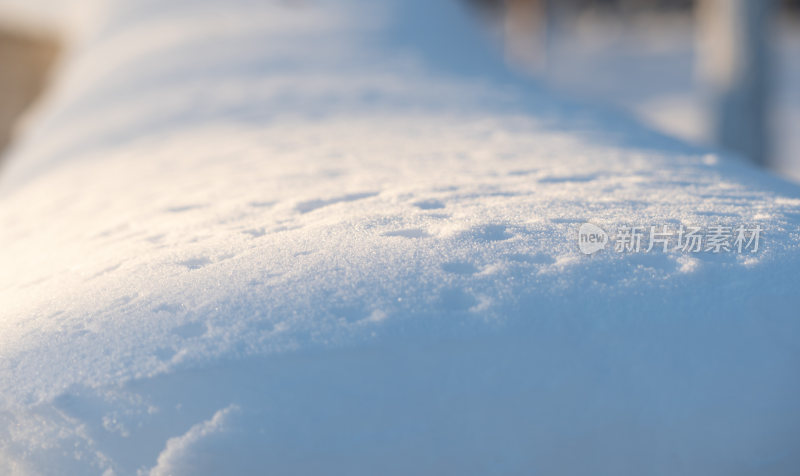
x: 298, y: 238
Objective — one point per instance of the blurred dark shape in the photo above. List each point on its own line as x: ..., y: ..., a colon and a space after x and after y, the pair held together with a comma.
x: 622, y: 5
x: 734, y: 62
x: 26, y: 57
x: 735, y: 67
x: 526, y: 30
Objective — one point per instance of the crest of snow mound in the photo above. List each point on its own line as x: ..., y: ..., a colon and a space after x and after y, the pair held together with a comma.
x: 188, y: 453
x: 372, y: 255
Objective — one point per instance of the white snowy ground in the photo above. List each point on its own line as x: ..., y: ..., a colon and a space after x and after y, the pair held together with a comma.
x: 326, y: 237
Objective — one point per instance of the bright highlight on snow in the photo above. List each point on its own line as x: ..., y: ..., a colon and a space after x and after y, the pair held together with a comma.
x: 313, y: 238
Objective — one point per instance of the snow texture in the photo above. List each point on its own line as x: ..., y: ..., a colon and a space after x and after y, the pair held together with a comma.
x: 324, y: 237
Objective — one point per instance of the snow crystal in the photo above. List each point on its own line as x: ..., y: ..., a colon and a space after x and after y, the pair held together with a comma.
x: 303, y: 237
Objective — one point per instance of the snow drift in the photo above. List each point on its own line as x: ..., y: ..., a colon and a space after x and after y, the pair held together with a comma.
x: 340, y: 238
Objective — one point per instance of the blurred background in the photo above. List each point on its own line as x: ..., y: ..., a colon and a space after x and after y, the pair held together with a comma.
x: 27, y: 54
x: 724, y: 73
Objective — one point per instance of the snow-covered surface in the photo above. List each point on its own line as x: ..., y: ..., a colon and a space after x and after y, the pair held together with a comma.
x: 336, y: 237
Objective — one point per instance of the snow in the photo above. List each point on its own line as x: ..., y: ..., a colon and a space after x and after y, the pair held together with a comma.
x: 181, y: 455
x: 301, y: 238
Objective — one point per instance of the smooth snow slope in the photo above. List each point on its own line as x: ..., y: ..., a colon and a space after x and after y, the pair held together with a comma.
x: 336, y: 237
